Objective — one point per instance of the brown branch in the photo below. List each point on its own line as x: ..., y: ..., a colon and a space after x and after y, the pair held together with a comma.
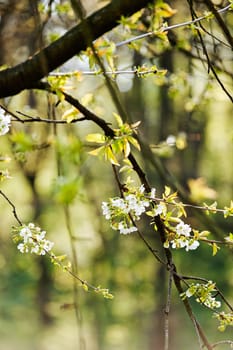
x: 220, y: 21
x: 12, y: 206
x: 159, y: 223
x: 177, y: 282
x: 27, y: 74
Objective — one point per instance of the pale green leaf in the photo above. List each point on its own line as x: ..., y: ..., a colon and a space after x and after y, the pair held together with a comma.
x: 97, y: 138
x: 118, y: 120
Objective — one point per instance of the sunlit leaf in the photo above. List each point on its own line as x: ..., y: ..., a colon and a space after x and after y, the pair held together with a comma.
x: 215, y: 249
x: 97, y: 138
x: 165, y: 10
x: 167, y: 191
x: 87, y: 99
x: 199, y: 190
x: 110, y: 156
x: 118, y: 119
x: 134, y: 142
x: 97, y: 151
x: 70, y: 115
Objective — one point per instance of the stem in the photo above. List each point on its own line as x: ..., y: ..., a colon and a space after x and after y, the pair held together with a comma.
x: 167, y: 310
x: 13, y: 208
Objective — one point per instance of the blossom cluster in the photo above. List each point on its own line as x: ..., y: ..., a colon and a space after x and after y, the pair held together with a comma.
x: 5, y: 121
x: 203, y: 295
x: 225, y: 319
x: 123, y: 211
x: 32, y: 240
x: 183, y: 239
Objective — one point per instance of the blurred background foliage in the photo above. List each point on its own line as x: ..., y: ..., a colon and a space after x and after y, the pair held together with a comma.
x: 186, y: 120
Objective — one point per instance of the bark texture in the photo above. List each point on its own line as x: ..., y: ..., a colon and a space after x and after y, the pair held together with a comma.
x: 27, y: 74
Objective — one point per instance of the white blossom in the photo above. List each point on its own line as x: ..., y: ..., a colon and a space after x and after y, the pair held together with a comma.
x: 178, y: 243
x: 192, y: 245
x: 183, y: 229
x: 119, y: 203
x: 158, y: 209
x: 106, y: 210
x: 126, y: 230
x: 33, y: 240
x: 202, y: 293
x: 141, y: 189
x: 171, y: 140
x: 120, y: 211
x: 22, y: 248
x: 5, y: 121
x: 153, y: 192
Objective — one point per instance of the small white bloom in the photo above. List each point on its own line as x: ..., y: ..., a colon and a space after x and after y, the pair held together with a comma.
x: 158, y: 209
x: 142, y: 189
x: 171, y: 140
x: 47, y: 245
x: 192, y: 245
x: 26, y: 234
x: 40, y: 236
x: 141, y: 208
x: 183, y: 229
x: 229, y: 238
x: 119, y: 203
x: 217, y: 304
x: 35, y: 249
x: 106, y: 210
x: 153, y: 192
x: 131, y: 201
x: 5, y: 121
x: 190, y: 292
x: 178, y: 243
x: 22, y: 248
x: 126, y: 230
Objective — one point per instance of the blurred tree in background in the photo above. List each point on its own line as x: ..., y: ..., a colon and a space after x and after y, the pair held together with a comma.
x: 105, y: 102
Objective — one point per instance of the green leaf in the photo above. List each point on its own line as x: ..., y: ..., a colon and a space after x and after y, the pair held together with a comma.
x: 85, y: 287
x: 126, y: 148
x: 97, y: 138
x: 118, y: 120
x: 215, y: 249
x: 167, y: 191
x: 70, y: 115
x: 109, y: 155
x: 66, y: 190
x: 98, y: 151
x: 22, y: 142
x: 134, y: 142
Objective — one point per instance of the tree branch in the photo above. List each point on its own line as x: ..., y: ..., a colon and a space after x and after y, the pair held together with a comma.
x: 220, y: 21
x: 25, y: 75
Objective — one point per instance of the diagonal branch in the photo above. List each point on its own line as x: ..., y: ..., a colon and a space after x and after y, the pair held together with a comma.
x: 221, y: 22
x: 25, y: 75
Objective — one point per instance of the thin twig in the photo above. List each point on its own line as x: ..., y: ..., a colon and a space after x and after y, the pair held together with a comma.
x: 110, y: 132
x: 12, y: 206
x: 165, y: 29
x: 108, y: 72
x: 210, y: 65
x: 220, y: 21
x: 222, y: 342
x: 167, y: 311
x: 45, y: 120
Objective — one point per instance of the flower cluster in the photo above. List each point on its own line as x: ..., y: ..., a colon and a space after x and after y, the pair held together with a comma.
x: 203, y: 295
x: 5, y: 121
x: 32, y: 240
x: 225, y: 319
x: 121, y: 211
x: 183, y: 239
